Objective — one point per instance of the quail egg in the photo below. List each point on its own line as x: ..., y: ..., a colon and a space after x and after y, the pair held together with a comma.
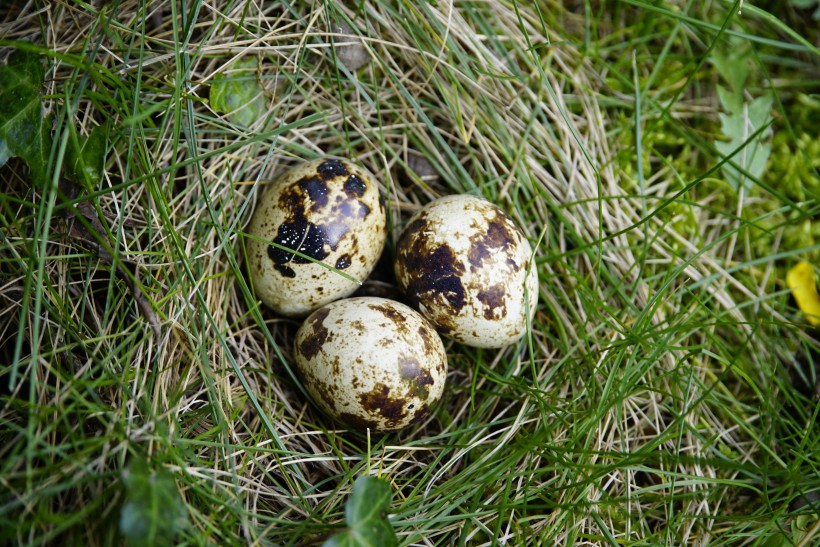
x: 332, y: 214
x: 371, y: 362
x: 462, y: 262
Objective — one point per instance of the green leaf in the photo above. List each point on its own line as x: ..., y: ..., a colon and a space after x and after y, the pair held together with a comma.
x: 731, y: 103
x: 733, y: 65
x: 153, y: 512
x: 776, y: 540
x: 741, y: 119
x: 23, y: 130
x: 85, y: 157
x: 237, y: 93
x: 800, y: 526
x: 366, y: 515
x: 742, y: 122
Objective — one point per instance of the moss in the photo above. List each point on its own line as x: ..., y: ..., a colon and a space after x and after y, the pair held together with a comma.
x: 793, y: 172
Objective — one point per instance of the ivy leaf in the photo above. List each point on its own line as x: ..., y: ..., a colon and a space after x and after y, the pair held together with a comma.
x: 23, y: 130
x: 366, y: 515
x: 154, y: 511
x: 85, y: 157
x: 237, y: 93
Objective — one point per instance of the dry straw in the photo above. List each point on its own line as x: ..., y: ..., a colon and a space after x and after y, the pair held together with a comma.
x: 611, y: 421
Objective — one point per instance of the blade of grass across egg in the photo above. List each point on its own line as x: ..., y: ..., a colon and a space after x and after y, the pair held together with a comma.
x: 306, y: 257
x: 800, y: 279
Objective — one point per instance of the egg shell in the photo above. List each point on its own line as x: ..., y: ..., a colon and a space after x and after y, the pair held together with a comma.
x: 329, y: 210
x: 371, y: 362
x: 462, y: 262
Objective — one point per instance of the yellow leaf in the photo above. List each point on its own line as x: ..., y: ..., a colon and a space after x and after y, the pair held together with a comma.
x: 800, y: 280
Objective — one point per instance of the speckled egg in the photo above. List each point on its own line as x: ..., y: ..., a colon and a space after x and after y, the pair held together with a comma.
x: 462, y: 262
x: 371, y: 362
x: 328, y: 210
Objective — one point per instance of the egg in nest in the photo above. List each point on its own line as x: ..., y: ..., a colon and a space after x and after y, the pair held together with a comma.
x: 464, y: 264
x: 371, y: 362
x: 332, y: 214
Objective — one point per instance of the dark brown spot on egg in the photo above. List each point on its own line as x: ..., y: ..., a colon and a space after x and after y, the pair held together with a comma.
x: 477, y: 254
x: 364, y: 210
x: 332, y: 168
x: 426, y: 269
x: 284, y: 270
x: 493, y: 298
x: 299, y: 235
x: 417, y: 376
x: 430, y: 347
x: 316, y: 337
x: 291, y: 199
x: 390, y: 312
x: 323, y: 392
x: 379, y: 401
x: 343, y: 262
x: 316, y: 190
x: 497, y: 236
x: 414, y: 229
x: 421, y: 413
x: 354, y: 186
x: 441, y: 365
x: 433, y: 274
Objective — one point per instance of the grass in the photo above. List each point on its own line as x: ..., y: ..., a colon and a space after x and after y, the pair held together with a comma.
x: 657, y: 398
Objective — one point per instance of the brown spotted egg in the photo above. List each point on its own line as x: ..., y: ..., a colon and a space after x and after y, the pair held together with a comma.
x: 462, y: 262
x: 371, y: 362
x: 332, y: 214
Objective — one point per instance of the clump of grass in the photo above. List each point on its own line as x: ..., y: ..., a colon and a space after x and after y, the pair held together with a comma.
x: 651, y: 403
